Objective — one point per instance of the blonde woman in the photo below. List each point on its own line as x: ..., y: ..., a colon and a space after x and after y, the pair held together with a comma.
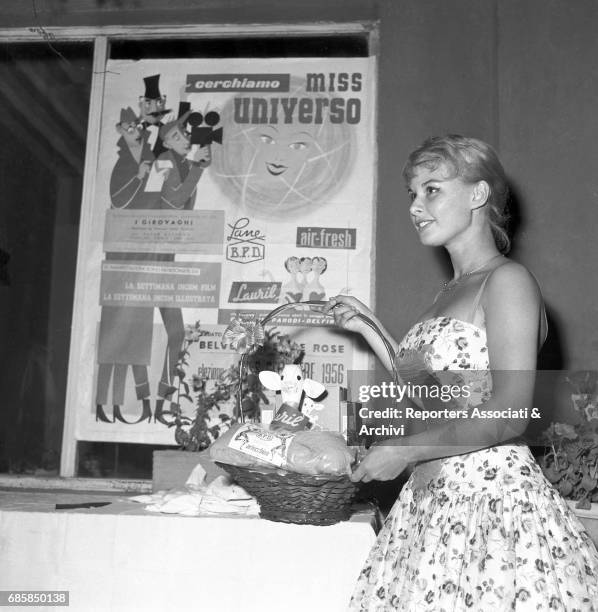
x: 477, y: 526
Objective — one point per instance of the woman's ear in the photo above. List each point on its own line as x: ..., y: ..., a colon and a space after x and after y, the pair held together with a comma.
x: 481, y: 193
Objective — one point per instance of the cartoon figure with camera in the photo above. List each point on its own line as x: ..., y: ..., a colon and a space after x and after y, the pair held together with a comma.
x: 181, y: 166
x: 187, y: 155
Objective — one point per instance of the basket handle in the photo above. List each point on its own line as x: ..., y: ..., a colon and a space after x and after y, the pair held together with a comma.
x: 312, y: 303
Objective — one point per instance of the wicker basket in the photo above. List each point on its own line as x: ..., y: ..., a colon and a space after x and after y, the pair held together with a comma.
x: 288, y: 497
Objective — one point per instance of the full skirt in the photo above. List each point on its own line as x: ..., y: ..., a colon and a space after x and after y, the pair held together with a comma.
x: 481, y: 531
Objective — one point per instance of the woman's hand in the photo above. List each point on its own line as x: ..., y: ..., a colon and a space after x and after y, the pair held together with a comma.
x: 381, y: 463
x: 345, y: 309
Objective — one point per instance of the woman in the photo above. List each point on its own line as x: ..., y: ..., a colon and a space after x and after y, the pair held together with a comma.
x: 314, y: 289
x: 293, y: 289
x: 476, y: 524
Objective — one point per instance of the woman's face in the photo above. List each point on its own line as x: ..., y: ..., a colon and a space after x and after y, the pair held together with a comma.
x: 281, y: 152
x: 293, y: 265
x: 305, y: 265
x: 440, y: 205
x: 318, y: 265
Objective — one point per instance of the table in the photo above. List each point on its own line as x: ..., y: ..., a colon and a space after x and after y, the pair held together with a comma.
x: 122, y: 557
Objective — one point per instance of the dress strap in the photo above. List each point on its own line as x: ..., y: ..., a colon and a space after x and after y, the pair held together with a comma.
x: 478, y: 297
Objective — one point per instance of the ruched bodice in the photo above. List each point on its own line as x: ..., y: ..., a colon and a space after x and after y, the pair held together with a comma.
x: 447, y: 343
x: 452, y: 352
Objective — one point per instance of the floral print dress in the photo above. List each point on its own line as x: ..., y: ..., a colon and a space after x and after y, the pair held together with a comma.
x: 479, y: 531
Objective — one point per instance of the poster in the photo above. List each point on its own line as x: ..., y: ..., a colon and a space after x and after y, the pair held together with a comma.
x: 222, y: 187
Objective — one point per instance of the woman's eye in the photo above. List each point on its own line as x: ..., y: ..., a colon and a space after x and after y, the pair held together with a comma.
x: 297, y: 146
x: 266, y: 139
x: 411, y: 195
x: 431, y: 190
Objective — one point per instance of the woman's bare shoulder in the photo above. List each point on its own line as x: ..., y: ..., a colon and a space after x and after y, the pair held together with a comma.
x: 512, y: 275
x: 514, y: 288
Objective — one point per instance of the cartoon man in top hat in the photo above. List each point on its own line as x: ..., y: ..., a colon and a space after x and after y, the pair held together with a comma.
x: 182, y: 166
x: 152, y: 108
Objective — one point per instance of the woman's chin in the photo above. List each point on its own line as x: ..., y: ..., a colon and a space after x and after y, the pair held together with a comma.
x: 428, y: 238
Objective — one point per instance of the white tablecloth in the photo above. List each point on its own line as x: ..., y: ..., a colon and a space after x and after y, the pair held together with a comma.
x: 121, y: 557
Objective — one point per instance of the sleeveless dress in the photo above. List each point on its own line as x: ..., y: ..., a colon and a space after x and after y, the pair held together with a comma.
x: 479, y: 531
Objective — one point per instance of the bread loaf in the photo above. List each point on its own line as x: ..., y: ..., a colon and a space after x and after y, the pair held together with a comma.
x: 304, y: 452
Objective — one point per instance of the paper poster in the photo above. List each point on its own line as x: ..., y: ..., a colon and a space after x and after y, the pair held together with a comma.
x: 222, y: 186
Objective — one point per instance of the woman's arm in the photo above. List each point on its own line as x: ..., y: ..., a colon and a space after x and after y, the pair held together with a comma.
x: 512, y: 306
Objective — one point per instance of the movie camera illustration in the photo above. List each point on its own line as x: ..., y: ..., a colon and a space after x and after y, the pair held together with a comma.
x: 200, y: 127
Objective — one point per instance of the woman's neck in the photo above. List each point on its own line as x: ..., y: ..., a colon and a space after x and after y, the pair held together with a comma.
x: 472, y: 253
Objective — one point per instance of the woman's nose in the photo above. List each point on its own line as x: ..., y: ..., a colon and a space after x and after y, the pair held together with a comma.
x: 415, y: 206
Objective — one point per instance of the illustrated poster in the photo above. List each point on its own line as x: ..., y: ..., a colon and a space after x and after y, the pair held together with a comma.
x: 222, y: 187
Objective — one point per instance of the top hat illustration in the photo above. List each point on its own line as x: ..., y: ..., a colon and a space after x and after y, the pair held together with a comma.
x: 152, y: 87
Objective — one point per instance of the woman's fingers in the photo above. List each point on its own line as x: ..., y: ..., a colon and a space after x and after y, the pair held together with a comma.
x: 338, y: 301
x: 343, y: 314
x: 360, y: 474
x: 344, y: 309
x: 333, y: 302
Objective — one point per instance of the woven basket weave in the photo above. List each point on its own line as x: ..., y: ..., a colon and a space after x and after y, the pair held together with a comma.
x: 288, y: 497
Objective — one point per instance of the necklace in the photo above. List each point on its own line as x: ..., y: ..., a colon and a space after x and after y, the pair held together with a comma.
x: 450, y: 284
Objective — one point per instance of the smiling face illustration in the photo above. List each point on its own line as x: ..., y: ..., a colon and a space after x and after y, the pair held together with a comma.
x: 279, y: 168
x: 281, y: 151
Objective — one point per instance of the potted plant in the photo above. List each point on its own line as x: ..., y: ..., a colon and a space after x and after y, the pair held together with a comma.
x: 570, y: 461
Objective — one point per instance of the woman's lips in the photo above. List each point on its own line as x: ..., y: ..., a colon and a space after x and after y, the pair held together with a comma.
x: 422, y: 224
x: 275, y: 169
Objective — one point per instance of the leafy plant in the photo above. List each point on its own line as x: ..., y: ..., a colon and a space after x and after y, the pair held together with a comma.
x: 238, y: 381
x: 571, y: 459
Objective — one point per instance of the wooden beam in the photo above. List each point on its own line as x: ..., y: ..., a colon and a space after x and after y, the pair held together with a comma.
x: 140, y: 32
x: 77, y: 365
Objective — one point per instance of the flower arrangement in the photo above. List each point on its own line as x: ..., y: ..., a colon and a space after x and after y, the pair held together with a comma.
x: 571, y: 459
x: 260, y: 349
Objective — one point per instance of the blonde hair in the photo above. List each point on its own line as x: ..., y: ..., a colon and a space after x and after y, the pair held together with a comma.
x: 471, y: 160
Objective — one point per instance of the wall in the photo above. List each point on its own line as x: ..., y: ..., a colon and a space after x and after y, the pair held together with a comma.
x: 522, y: 75
x: 548, y: 84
